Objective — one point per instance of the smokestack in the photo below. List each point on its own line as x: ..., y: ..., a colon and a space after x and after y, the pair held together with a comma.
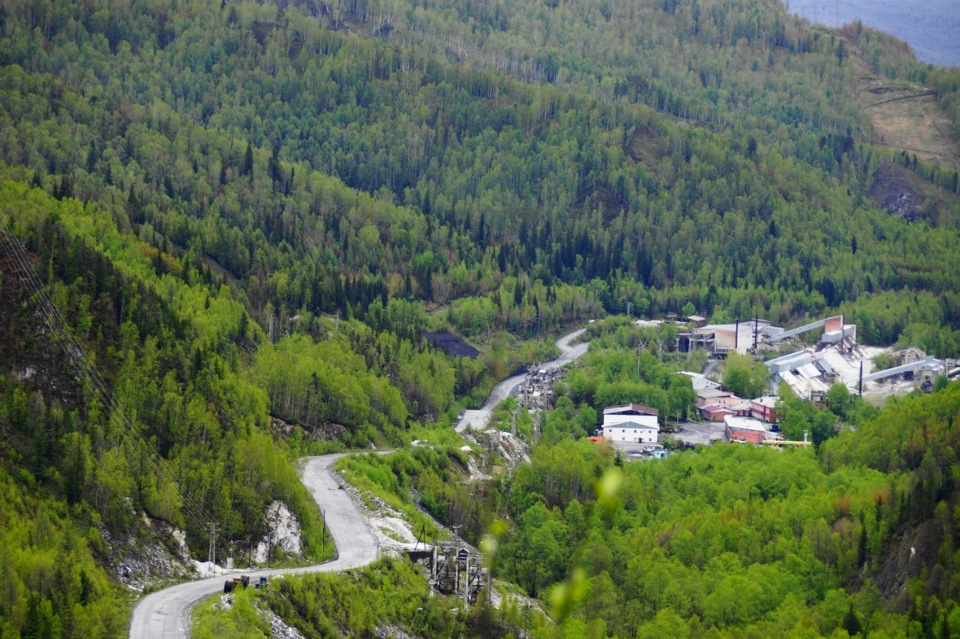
x: 736, y: 337
x: 756, y: 330
x: 861, y: 378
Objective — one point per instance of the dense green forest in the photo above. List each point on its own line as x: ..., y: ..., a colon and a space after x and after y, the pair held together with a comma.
x: 732, y: 539
x: 717, y: 164
x: 856, y: 536
x: 227, y: 225
x: 390, y: 596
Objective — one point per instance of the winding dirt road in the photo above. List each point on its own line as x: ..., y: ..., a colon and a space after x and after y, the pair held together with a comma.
x: 478, y: 419
x: 166, y: 614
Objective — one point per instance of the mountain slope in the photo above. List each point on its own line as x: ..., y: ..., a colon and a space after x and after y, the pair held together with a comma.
x: 247, y: 215
x: 217, y: 142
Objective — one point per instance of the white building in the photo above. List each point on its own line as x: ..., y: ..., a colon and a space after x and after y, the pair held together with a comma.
x: 631, y: 423
x: 700, y: 382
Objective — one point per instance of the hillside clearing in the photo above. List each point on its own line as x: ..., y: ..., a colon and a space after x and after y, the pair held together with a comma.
x: 908, y: 117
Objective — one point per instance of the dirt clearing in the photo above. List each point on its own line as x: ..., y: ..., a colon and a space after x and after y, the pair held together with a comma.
x: 908, y: 117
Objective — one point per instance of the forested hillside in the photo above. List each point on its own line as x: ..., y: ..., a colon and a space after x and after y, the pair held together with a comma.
x: 227, y: 226
x: 855, y: 537
x: 717, y: 164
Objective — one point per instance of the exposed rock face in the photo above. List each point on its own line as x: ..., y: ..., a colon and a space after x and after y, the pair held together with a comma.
x: 510, y: 447
x: 29, y: 350
x: 915, y: 552
x: 141, y: 562
x: 283, y: 533
x: 279, y: 629
x: 904, y: 193
x: 391, y: 632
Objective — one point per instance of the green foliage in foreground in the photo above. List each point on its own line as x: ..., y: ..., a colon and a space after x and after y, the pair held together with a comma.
x: 733, y: 541
x: 727, y: 537
x: 52, y: 583
x: 427, y: 478
x: 389, y: 596
x: 240, y: 621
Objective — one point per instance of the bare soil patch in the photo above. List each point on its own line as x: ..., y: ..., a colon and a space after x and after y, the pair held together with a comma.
x: 908, y: 117
x: 452, y: 345
x: 646, y: 147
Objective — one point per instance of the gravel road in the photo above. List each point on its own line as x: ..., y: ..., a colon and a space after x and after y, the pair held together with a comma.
x: 478, y: 419
x: 166, y: 614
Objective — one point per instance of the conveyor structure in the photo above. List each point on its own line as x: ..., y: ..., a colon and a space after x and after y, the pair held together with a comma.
x: 931, y: 364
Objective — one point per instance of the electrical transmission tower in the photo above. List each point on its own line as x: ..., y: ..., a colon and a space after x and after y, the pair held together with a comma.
x: 212, y: 553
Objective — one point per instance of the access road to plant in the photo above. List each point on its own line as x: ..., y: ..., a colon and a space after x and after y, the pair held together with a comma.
x: 478, y: 419
x: 167, y: 613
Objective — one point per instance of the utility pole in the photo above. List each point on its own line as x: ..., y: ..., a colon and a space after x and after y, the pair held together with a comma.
x: 466, y: 583
x: 212, y: 554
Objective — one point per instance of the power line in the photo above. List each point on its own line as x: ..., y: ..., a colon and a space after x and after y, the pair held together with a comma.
x: 84, y: 372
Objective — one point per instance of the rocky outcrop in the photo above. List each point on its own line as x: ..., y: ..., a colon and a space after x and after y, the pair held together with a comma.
x: 279, y: 629
x: 513, y: 449
x: 140, y: 562
x: 283, y: 534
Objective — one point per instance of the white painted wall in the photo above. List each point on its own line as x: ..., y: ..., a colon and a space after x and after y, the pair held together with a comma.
x: 631, y: 433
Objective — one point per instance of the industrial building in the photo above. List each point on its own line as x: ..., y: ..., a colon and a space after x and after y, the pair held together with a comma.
x: 720, y: 339
x: 764, y: 408
x: 699, y: 381
x: 812, y: 371
x: 708, y: 396
x: 631, y: 423
x: 809, y: 372
x: 744, y: 430
x: 835, y: 358
x: 746, y: 335
x: 838, y: 358
x: 834, y: 330
x: 715, y: 414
